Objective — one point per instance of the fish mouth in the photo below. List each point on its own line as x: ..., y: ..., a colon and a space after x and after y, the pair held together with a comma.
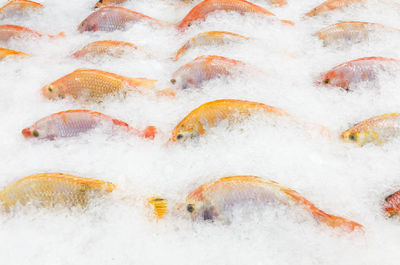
x: 27, y: 133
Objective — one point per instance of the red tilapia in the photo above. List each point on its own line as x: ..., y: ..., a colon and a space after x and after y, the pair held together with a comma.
x: 18, y: 7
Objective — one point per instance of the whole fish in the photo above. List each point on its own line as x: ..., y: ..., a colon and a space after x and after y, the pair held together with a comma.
x: 349, y: 32
x: 391, y: 205
x: 75, y: 122
x: 18, y: 7
x: 51, y: 189
x: 90, y: 84
x: 102, y: 3
x: 13, y: 31
x: 210, y: 114
x: 206, y: 7
x: 202, y: 69
x: 6, y: 52
x: 353, y: 72
x: 216, y: 200
x: 376, y: 130
x: 210, y: 38
x: 105, y: 47
x: 111, y: 18
x: 330, y: 5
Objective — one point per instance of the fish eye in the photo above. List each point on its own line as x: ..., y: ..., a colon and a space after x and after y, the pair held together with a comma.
x: 173, y: 81
x: 179, y: 136
x: 100, y: 1
x: 326, y: 81
x: 35, y: 133
x: 353, y: 137
x: 189, y: 24
x: 50, y: 89
x: 190, y: 208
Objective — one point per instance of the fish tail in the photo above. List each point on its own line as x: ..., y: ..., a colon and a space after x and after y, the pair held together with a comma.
x: 339, y: 222
x: 159, y: 205
x: 149, y: 132
x: 59, y: 35
x: 142, y: 82
x: 279, y: 2
x: 291, y: 23
x: 168, y: 92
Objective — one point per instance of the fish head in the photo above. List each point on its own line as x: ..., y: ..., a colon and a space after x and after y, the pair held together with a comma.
x: 181, y: 82
x: 334, y: 78
x: 391, y: 205
x: 359, y: 136
x: 200, y: 210
x: 53, y: 91
x: 90, y: 23
x: 185, y: 130
x: 33, y: 132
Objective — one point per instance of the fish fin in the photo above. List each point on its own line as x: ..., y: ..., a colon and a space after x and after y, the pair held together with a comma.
x: 149, y: 132
x: 59, y: 35
x: 291, y: 23
x: 168, y: 92
x: 340, y: 222
x: 160, y: 206
x: 141, y: 83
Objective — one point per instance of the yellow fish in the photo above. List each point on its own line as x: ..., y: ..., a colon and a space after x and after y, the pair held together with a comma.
x: 210, y: 114
x: 216, y: 200
x: 376, y: 130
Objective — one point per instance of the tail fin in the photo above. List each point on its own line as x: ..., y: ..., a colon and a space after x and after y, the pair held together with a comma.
x: 291, y: 23
x: 142, y: 82
x: 149, y: 132
x: 336, y: 222
x: 168, y: 92
x: 160, y: 206
x: 59, y: 35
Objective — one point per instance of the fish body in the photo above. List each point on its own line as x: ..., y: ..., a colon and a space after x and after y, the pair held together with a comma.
x: 13, y: 31
x: 391, y: 205
x: 202, y: 69
x: 102, y: 3
x: 105, y: 47
x: 111, y: 18
x: 6, y: 52
x: 360, y: 70
x: 75, y: 122
x: 206, y: 7
x: 330, y: 5
x: 212, y: 113
x: 216, y: 200
x: 210, y: 38
x: 18, y: 7
x: 51, y: 189
x: 351, y: 32
x: 376, y: 130
x: 93, y: 84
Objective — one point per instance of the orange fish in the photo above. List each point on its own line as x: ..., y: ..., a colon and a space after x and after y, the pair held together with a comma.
x: 111, y: 18
x: 210, y: 38
x: 330, y: 5
x: 216, y: 200
x: 349, y: 32
x: 353, y: 72
x: 102, y: 3
x: 18, y: 7
x: 376, y: 130
x: 203, y: 9
x: 6, y: 52
x: 210, y: 114
x: 392, y: 204
x: 13, y: 31
x: 92, y: 84
x: 51, y: 189
x: 105, y: 47
x: 75, y: 122
x: 204, y: 68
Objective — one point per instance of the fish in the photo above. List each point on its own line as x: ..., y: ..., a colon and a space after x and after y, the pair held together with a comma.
x: 206, y: 7
x: 209, y: 38
x: 215, y: 200
x: 72, y: 123
x: 6, y: 52
x: 102, y: 3
x: 47, y: 190
x: 111, y: 18
x: 18, y: 7
x: 52, y: 189
x: 14, y: 31
x: 330, y: 5
x: 391, y: 205
x: 350, y: 32
x: 377, y: 130
x: 92, y: 84
x: 351, y: 73
x: 210, y: 114
x: 202, y: 69
x: 105, y: 47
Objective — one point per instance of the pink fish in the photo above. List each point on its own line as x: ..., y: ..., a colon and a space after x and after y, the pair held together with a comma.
x: 75, y: 122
